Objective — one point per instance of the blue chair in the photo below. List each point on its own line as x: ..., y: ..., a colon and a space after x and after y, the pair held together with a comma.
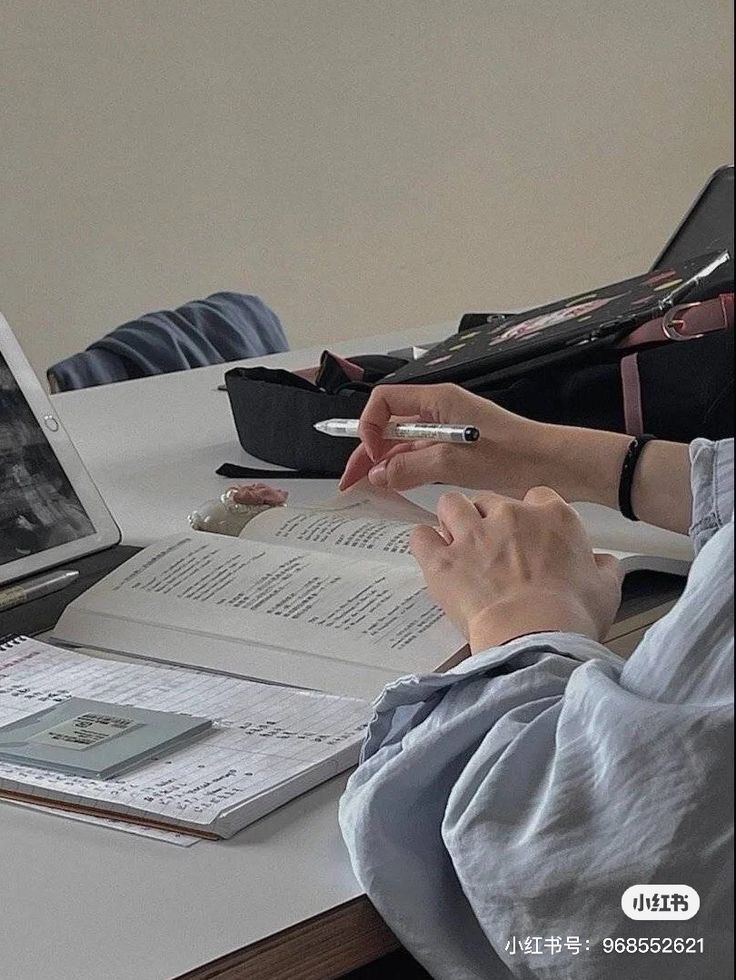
x: 223, y: 327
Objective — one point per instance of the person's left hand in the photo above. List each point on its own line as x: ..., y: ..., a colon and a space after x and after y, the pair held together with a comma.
x: 502, y: 568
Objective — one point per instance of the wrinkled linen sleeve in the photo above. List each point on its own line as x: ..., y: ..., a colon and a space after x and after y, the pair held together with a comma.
x: 515, y: 798
x: 712, y: 486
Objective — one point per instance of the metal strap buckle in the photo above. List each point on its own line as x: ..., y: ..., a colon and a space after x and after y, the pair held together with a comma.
x: 672, y: 320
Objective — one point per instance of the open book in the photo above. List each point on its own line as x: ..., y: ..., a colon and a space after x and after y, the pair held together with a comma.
x: 325, y: 597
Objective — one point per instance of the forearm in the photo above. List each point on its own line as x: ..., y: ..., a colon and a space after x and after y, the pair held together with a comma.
x: 585, y: 465
x: 515, y: 454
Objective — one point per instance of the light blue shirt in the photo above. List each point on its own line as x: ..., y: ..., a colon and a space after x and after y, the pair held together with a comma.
x: 515, y: 798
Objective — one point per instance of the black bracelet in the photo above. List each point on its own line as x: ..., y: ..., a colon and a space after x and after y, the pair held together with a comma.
x: 627, y: 475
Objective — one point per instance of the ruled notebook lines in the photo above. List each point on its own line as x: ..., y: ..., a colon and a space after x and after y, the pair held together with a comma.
x: 265, y: 736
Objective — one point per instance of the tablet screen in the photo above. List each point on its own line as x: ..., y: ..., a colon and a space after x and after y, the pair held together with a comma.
x: 708, y: 225
x: 39, y: 509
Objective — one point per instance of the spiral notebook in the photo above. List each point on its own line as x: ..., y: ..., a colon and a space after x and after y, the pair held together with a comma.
x: 268, y: 745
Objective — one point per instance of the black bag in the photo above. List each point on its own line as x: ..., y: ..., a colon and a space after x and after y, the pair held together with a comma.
x: 676, y: 389
x: 275, y: 412
x: 619, y: 364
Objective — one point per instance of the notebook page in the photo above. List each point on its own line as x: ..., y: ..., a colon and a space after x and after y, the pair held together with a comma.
x: 364, y: 521
x: 264, y: 737
x: 174, y: 837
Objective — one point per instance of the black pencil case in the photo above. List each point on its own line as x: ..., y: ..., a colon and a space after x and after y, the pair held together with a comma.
x: 275, y: 410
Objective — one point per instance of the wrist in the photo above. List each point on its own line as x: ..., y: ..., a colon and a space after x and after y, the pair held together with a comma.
x: 542, y: 456
x: 537, y: 612
x: 585, y: 464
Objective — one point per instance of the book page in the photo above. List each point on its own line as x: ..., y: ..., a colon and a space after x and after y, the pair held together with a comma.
x: 377, y: 523
x: 265, y: 736
x: 269, y: 600
x: 363, y: 522
x: 653, y: 547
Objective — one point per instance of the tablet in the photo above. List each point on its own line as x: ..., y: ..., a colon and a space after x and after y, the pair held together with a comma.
x: 50, y: 511
x: 707, y: 226
x: 568, y: 328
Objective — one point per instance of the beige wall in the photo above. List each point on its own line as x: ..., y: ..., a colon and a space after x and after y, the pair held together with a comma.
x: 361, y: 164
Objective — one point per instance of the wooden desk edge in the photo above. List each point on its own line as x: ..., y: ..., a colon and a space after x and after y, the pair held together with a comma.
x: 321, y: 948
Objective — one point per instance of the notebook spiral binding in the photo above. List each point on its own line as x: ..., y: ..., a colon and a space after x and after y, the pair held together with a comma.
x: 10, y: 640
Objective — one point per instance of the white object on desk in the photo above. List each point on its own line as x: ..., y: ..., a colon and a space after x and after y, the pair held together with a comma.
x: 65, y: 516
x: 402, y: 431
x: 325, y: 597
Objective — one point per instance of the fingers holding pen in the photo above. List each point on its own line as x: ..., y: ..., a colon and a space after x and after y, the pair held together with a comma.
x: 425, y: 403
x: 356, y: 468
x: 360, y: 465
x: 404, y: 466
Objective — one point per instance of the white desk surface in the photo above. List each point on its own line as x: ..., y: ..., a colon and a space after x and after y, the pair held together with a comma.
x: 152, y: 446
x: 82, y: 902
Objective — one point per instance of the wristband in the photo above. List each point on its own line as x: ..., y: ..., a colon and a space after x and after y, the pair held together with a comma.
x: 628, y: 470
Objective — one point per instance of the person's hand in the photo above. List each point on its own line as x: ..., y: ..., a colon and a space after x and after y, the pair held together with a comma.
x: 503, y: 568
x: 511, y: 455
x: 515, y: 454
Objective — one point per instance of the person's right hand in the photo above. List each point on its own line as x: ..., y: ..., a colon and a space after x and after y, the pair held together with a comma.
x: 503, y: 568
x: 511, y: 456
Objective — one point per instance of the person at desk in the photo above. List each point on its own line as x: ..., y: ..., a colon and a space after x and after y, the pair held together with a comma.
x: 501, y: 810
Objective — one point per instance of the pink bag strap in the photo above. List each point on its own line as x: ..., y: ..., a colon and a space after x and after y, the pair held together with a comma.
x: 684, y: 322
x: 631, y: 390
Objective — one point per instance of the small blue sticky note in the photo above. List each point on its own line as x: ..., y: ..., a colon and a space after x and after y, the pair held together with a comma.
x: 95, y: 738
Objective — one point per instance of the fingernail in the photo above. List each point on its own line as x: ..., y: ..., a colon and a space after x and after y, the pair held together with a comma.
x: 378, y: 476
